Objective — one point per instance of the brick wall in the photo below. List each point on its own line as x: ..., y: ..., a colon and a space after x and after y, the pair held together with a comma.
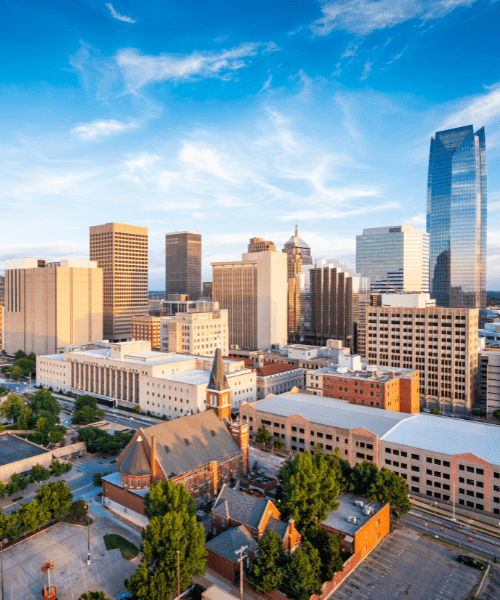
x: 221, y: 565
x: 409, y: 395
x: 123, y: 497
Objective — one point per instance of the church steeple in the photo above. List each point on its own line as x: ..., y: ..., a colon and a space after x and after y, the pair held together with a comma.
x: 218, y: 390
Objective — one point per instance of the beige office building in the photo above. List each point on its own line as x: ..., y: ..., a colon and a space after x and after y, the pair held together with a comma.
x: 260, y: 245
x: 442, y: 343
x: 49, y: 306
x: 254, y: 292
x: 121, y: 251
x: 196, y: 332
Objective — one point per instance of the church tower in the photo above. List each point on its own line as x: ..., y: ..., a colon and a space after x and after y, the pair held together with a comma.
x: 218, y: 390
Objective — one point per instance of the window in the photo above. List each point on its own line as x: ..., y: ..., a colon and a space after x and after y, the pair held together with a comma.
x: 405, y: 454
x: 388, y: 450
x: 415, y: 457
x: 417, y: 479
x: 446, y: 486
x: 301, y: 431
x: 417, y: 469
x: 446, y: 475
x: 369, y: 446
x: 461, y: 468
x: 369, y: 457
x: 461, y: 491
x: 479, y: 506
x: 446, y: 463
x: 461, y: 480
x: 470, y: 482
x: 480, y: 471
x: 429, y: 460
x: 428, y: 482
x: 294, y: 428
x: 470, y: 469
x: 429, y: 471
x: 396, y: 452
x: 479, y: 495
x: 404, y: 466
x: 359, y: 455
x: 415, y: 489
x: 387, y: 462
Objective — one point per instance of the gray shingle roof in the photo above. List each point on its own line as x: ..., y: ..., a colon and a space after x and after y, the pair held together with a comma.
x: 279, y: 527
x: 241, y: 507
x: 191, y: 442
x: 336, y: 413
x: 218, y: 380
x: 137, y: 462
x: 231, y: 540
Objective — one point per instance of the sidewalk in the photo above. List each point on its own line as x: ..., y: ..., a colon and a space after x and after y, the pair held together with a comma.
x: 480, y: 522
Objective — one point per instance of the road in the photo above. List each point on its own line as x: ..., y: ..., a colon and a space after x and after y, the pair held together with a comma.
x: 463, y: 540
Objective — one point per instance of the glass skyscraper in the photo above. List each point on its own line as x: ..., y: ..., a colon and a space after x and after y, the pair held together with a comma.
x: 456, y: 218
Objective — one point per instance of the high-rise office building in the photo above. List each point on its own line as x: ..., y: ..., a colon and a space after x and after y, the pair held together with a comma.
x: 456, y: 218
x: 253, y: 290
x: 2, y: 289
x: 298, y: 254
x: 394, y: 258
x: 183, y: 264
x: 50, y: 306
x: 442, y: 343
x: 121, y: 251
x: 260, y: 245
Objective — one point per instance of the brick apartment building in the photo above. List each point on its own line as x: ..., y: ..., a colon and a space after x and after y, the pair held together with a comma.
x: 238, y: 519
x: 390, y: 388
x: 202, y: 451
x: 434, y: 454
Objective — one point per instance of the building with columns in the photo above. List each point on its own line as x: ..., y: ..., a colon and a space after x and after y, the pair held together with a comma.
x: 130, y: 374
x: 201, y: 451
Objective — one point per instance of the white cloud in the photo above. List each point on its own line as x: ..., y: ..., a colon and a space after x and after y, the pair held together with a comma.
x: 481, y: 110
x: 53, y: 250
x: 100, y: 128
x: 417, y: 220
x: 367, y: 70
x: 139, y: 70
x: 366, y: 16
x: 333, y: 213
x: 116, y: 15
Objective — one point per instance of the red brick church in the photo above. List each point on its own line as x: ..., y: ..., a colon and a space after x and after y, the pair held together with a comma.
x: 202, y: 451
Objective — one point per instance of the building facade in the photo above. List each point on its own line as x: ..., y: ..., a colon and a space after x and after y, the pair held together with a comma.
x: 441, y: 458
x: 389, y: 388
x: 489, y: 379
x: 442, y: 343
x: 183, y: 264
x: 394, y: 258
x: 456, y: 217
x: 253, y: 291
x: 129, y: 374
x: 196, y: 332
x: 50, y: 306
x: 298, y: 254
x: 147, y: 328
x: 261, y: 245
x: 121, y: 251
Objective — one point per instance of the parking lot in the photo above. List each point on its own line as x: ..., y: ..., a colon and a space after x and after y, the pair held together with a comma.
x: 491, y: 587
x: 406, y: 565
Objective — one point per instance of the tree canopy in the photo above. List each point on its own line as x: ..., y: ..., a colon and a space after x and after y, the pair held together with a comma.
x: 12, y: 407
x: 263, y: 436
x: 94, y: 596
x: 303, y: 575
x: 176, y: 530
x: 166, y: 496
x: 267, y: 570
x: 56, y: 497
x: 97, y: 440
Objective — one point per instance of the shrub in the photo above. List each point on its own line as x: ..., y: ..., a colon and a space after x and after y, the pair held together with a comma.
x: 57, y: 469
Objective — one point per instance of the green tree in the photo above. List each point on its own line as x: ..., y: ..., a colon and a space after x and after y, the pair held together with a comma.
x: 167, y: 496
x: 328, y: 546
x: 88, y: 414
x: 435, y: 411
x: 85, y: 400
x: 496, y: 413
x: 23, y: 421
x: 267, y: 570
x: 97, y: 478
x: 3, y: 390
x: 42, y: 428
x: 6, y: 526
x: 28, y: 516
x: 380, y: 486
x: 56, y: 498
x: 57, y: 469
x: 57, y: 434
x: 303, y: 576
x: 20, y: 354
x: 263, y: 436
x: 278, y: 443
x: 156, y: 576
x: 16, y: 372
x: 26, y: 365
x: 97, y: 440
x: 20, y: 483
x: 94, y: 596
x: 39, y: 473
x: 12, y: 408
x: 309, y: 489
x: 44, y: 401
x: 2, y: 491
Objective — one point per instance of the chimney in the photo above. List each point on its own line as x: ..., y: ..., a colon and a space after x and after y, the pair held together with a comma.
x: 153, y: 458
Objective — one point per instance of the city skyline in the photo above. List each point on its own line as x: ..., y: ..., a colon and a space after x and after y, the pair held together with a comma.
x: 236, y: 121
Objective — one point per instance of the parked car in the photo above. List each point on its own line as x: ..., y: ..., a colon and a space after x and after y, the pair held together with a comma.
x: 200, y: 515
x: 467, y: 418
x: 470, y: 562
x: 427, y: 410
x: 125, y: 595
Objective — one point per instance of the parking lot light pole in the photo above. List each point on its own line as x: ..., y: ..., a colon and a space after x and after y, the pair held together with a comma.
x: 88, y: 532
x: 2, y: 542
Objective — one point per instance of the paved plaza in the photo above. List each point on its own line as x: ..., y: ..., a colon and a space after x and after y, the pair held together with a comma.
x: 66, y: 545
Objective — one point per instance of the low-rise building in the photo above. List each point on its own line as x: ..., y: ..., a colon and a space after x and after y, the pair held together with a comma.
x: 147, y: 328
x: 130, y: 374
x: 390, y: 388
x: 434, y: 454
x: 489, y: 379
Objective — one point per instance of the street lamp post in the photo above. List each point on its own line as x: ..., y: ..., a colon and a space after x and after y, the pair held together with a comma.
x: 88, y: 532
x: 178, y: 577
x: 2, y: 542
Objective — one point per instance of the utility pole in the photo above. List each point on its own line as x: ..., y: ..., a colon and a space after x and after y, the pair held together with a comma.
x: 178, y: 578
x: 2, y: 542
x: 240, y: 560
x: 453, y: 498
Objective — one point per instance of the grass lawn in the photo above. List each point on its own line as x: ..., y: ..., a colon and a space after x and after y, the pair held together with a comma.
x: 114, y: 541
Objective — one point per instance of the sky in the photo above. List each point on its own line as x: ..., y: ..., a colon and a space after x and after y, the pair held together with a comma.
x: 236, y: 119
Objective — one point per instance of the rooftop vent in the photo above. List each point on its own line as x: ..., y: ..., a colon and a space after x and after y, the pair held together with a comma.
x: 359, y: 503
x: 213, y: 433
x: 187, y: 442
x: 167, y: 449
x: 352, y: 519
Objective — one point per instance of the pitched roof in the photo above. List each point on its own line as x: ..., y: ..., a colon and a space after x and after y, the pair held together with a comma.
x: 190, y: 442
x: 244, y: 508
x: 137, y: 462
x: 218, y: 380
x: 279, y: 527
x: 231, y: 540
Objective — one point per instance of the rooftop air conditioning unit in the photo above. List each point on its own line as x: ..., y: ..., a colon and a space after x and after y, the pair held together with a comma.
x: 352, y: 519
x: 359, y: 503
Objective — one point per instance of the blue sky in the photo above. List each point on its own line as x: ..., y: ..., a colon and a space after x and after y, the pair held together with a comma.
x: 234, y: 119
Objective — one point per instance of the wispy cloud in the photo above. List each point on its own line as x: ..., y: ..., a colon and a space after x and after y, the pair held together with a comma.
x: 116, y: 15
x: 363, y: 17
x: 139, y: 70
x: 367, y: 70
x: 480, y: 110
x: 333, y: 213
x: 417, y: 220
x: 99, y: 128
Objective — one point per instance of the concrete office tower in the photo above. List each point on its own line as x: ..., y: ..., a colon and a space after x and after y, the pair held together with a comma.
x: 338, y: 300
x: 254, y: 291
x: 396, y: 259
x: 456, y: 217
x: 50, y: 306
x: 298, y: 254
x: 260, y: 245
x: 183, y: 264
x: 122, y: 253
x: 2, y: 290
x: 442, y: 343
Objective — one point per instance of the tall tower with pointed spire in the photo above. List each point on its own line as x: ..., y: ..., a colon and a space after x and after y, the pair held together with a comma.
x: 218, y: 390
x: 298, y: 254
